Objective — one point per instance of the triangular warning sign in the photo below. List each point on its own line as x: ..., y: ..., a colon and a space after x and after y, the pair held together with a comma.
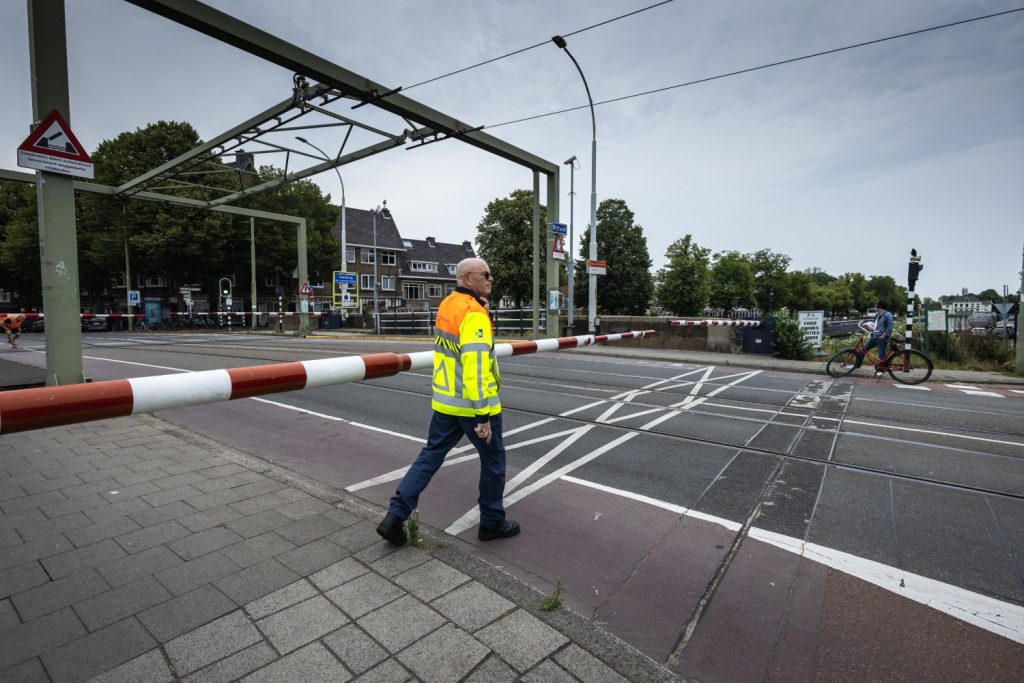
x: 53, y: 147
x: 305, y: 289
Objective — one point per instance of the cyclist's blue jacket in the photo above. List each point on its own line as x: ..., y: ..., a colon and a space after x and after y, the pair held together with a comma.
x: 883, y: 325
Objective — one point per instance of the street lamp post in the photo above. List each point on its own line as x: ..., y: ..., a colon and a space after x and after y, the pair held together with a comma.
x: 343, y: 233
x: 376, y: 313
x: 592, y: 306
x: 571, y: 261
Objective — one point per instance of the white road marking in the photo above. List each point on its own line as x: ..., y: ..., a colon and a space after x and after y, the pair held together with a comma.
x: 678, y: 509
x: 1017, y: 391
x: 1002, y: 618
x: 519, y: 494
x: 395, y: 475
x: 911, y: 386
x: 472, y: 516
x: 982, y: 393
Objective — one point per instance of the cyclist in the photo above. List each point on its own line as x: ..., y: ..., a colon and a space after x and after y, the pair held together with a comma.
x: 881, y: 330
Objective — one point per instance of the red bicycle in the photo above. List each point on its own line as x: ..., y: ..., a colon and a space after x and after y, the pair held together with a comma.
x: 906, y: 367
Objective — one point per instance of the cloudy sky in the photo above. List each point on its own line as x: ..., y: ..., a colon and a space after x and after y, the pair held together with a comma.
x: 842, y: 162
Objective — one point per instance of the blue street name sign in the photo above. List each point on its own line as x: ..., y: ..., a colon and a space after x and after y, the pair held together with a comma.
x: 559, y: 228
x: 344, y: 278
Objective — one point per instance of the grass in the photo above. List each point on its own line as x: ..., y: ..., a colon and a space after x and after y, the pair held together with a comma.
x: 553, y: 602
x: 412, y: 528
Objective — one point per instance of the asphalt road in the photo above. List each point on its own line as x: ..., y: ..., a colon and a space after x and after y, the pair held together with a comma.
x: 738, y: 524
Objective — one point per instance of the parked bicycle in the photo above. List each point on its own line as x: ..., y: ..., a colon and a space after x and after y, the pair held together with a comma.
x: 906, y: 367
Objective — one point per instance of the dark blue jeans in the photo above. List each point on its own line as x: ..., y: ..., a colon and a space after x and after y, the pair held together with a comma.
x: 881, y: 343
x: 445, y: 432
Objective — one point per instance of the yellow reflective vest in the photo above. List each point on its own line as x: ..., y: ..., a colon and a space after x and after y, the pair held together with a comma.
x: 466, y: 379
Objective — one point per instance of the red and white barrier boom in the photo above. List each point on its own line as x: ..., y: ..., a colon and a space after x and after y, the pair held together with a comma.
x: 26, y: 409
x: 717, y: 323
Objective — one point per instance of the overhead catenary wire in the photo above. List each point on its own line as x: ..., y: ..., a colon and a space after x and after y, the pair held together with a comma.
x: 531, y: 47
x: 761, y: 67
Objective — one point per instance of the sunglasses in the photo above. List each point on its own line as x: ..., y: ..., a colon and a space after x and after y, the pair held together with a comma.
x: 485, y: 275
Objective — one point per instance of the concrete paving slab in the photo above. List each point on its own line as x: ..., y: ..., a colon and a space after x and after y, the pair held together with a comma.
x: 313, y: 664
x: 398, y: 624
x: 179, y: 615
x: 295, y: 626
x: 447, y: 654
x: 207, y: 644
x: 521, y: 639
x: 358, y: 651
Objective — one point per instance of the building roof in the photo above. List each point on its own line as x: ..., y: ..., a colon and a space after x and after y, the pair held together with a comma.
x: 432, y: 251
x: 359, y: 229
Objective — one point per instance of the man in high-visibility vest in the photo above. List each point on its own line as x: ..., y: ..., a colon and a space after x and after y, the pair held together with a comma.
x: 12, y: 327
x: 465, y: 401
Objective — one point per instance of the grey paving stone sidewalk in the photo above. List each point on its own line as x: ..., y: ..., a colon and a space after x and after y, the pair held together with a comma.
x: 135, y: 551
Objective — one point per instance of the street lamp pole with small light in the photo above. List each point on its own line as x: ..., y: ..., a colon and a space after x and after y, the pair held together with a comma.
x: 592, y: 306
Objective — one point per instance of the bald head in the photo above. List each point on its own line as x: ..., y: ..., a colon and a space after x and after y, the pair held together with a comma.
x: 474, y: 274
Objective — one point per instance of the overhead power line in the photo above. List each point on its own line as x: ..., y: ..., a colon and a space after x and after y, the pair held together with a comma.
x: 544, y: 42
x: 759, y: 68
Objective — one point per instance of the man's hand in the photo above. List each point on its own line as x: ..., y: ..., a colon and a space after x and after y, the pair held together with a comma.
x: 483, y: 430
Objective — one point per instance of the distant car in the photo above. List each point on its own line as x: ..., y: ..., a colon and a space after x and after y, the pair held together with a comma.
x: 36, y: 325
x: 95, y: 323
x: 1004, y: 329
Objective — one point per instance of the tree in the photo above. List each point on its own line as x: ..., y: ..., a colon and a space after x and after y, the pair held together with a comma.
x: 505, y: 241
x: 991, y: 295
x: 770, y: 279
x: 19, y: 244
x: 839, y: 297
x: 790, y: 342
x: 684, y: 284
x: 800, y: 291
x: 628, y: 287
x: 732, y: 281
x: 884, y: 288
x: 862, y: 298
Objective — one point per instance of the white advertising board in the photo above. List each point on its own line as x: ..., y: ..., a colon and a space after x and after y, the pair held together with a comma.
x: 813, y: 325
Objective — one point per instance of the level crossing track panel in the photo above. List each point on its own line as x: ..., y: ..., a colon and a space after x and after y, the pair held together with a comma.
x: 667, y: 495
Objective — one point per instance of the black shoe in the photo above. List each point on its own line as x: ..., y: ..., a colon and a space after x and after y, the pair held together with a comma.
x: 506, y: 529
x: 392, y: 530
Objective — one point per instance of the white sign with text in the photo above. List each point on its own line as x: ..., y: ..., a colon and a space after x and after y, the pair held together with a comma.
x: 813, y: 325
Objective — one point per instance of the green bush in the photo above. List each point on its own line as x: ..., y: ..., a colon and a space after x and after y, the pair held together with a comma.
x: 789, y: 338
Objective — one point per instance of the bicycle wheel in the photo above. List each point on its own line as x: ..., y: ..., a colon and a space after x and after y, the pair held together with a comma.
x: 910, y: 367
x: 843, y: 363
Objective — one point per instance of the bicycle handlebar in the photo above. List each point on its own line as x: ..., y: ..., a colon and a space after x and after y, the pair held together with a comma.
x: 863, y: 325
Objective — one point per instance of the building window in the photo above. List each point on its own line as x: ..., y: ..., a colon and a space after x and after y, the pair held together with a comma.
x: 449, y: 289
x: 118, y: 279
x: 451, y: 267
x: 157, y: 281
x: 5, y: 297
x: 366, y: 255
x: 422, y: 267
x: 350, y: 254
x: 387, y: 283
x: 412, y: 290
x: 388, y: 258
x: 366, y: 282
x: 434, y: 291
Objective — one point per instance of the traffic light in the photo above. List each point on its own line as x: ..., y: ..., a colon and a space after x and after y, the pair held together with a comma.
x: 914, y: 268
x: 225, y: 287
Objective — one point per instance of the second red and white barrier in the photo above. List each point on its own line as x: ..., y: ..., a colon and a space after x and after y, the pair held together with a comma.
x: 26, y: 409
x: 717, y: 323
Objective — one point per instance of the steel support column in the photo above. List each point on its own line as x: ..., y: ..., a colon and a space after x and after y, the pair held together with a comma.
x: 554, y: 267
x: 55, y: 194
x: 536, y: 254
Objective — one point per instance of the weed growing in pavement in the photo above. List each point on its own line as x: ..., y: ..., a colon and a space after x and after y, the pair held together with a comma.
x: 412, y: 528
x: 553, y: 602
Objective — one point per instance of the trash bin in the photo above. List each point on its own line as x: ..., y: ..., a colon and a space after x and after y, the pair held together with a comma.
x: 333, y: 321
